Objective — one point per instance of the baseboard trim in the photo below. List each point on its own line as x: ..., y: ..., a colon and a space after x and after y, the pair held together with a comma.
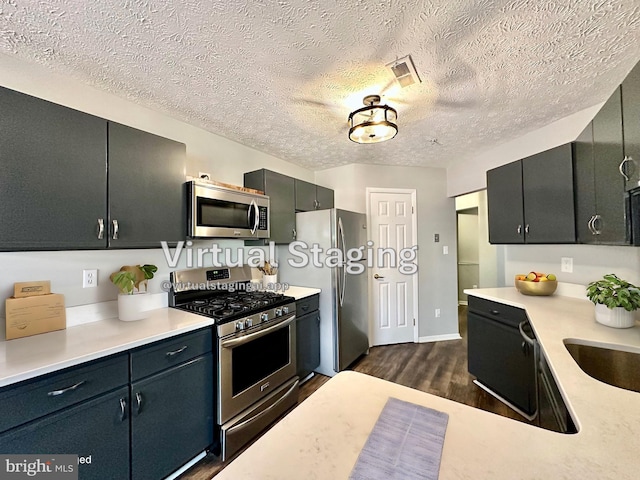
x: 187, y: 466
x: 439, y: 338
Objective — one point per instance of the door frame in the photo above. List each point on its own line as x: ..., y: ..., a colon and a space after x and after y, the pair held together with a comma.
x: 414, y: 240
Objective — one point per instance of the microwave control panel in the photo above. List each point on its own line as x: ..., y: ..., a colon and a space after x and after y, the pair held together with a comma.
x: 262, y: 221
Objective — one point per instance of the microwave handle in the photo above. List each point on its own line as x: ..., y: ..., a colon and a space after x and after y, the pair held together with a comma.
x: 256, y: 216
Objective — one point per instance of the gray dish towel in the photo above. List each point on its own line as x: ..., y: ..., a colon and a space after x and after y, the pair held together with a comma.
x: 405, y: 444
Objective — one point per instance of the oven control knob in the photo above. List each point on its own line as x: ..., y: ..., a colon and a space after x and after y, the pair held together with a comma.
x: 240, y: 325
x: 285, y: 310
x: 249, y: 323
x: 264, y: 317
x: 278, y: 312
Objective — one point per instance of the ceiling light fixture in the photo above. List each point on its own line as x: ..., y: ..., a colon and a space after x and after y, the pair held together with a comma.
x: 373, y: 123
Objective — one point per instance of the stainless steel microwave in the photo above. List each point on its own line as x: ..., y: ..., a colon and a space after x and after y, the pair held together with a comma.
x: 220, y: 212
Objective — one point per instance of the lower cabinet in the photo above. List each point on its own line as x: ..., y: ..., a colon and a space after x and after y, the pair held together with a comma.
x: 172, y: 418
x: 307, y: 335
x: 498, y: 356
x: 97, y: 430
x: 139, y: 415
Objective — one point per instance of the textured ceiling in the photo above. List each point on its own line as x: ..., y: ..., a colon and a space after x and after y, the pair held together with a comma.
x: 282, y: 76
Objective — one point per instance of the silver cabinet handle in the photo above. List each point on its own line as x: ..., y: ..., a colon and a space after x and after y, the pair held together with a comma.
x: 621, y: 167
x: 55, y: 393
x: 590, y: 224
x: 294, y: 233
x: 376, y: 276
x: 138, y: 403
x: 115, y: 230
x: 100, y: 228
x: 176, y: 352
x: 123, y: 409
x: 316, y: 204
x: 519, y: 229
x: 526, y: 228
x: 596, y: 230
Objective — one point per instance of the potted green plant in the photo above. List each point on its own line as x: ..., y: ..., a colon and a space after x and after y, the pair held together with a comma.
x: 132, y: 302
x: 615, y: 301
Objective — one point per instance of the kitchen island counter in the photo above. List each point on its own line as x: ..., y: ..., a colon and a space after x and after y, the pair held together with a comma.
x: 321, y: 439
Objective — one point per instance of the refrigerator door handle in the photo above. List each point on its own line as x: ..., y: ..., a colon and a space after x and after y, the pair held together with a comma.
x: 344, y: 256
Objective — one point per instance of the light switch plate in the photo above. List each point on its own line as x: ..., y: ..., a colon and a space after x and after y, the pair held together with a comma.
x: 566, y: 264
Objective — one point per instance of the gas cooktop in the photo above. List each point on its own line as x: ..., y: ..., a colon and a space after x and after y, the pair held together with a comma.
x: 224, y: 307
x: 224, y: 294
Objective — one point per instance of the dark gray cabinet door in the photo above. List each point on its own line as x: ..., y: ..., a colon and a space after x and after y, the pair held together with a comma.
x: 610, y: 223
x: 53, y: 184
x: 146, y: 177
x: 98, y: 428
x: 547, y: 185
x: 584, y: 185
x: 307, y: 343
x: 324, y: 197
x: 281, y: 191
x: 505, y: 204
x: 172, y: 418
x: 631, y: 127
x: 305, y: 196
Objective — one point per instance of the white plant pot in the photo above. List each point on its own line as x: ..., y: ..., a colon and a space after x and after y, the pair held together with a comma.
x: 269, y: 282
x: 133, y: 307
x: 617, y: 317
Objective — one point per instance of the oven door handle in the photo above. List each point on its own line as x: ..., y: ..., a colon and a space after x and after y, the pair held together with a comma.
x: 234, y: 342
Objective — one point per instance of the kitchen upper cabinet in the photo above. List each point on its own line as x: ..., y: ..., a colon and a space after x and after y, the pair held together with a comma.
x: 74, y: 181
x: 53, y: 189
x: 312, y: 197
x: 601, y: 202
x: 282, y: 197
x: 630, y: 91
x: 531, y: 200
x: 146, y: 198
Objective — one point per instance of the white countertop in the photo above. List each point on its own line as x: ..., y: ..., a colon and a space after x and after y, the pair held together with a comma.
x: 321, y: 439
x: 29, y: 357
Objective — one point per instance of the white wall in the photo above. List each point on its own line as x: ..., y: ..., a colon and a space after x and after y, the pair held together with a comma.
x: 469, y: 175
x: 436, y: 214
x: 224, y: 159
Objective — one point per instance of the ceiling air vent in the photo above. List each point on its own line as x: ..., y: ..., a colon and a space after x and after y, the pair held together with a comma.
x: 404, y: 71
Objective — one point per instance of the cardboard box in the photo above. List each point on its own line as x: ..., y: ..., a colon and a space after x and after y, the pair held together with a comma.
x: 29, y: 289
x: 36, y: 314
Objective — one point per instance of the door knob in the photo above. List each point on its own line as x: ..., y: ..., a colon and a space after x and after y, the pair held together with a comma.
x: 376, y: 276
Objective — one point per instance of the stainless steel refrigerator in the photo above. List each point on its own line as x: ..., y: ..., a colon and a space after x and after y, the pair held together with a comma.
x: 344, y: 322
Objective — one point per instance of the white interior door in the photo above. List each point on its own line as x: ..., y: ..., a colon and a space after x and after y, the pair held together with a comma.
x: 392, y: 226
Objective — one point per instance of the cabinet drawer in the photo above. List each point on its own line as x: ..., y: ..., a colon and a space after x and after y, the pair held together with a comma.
x: 497, y: 311
x: 307, y: 305
x: 167, y: 353
x: 35, y: 398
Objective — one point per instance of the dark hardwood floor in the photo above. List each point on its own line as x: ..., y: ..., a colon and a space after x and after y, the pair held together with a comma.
x: 439, y: 368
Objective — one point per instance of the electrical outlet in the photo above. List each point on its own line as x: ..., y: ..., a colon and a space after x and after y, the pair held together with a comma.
x: 566, y: 264
x: 437, y: 313
x: 445, y: 250
x: 436, y: 237
x: 89, y: 278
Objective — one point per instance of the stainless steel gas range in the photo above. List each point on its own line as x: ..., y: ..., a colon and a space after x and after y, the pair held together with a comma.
x: 255, y: 344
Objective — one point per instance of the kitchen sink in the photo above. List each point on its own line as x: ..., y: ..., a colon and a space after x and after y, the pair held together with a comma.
x: 614, y: 367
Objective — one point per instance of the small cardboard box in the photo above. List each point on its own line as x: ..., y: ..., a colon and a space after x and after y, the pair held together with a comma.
x: 29, y: 289
x: 36, y: 314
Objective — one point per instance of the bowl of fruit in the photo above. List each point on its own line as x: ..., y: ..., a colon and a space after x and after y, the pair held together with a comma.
x: 535, y: 283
